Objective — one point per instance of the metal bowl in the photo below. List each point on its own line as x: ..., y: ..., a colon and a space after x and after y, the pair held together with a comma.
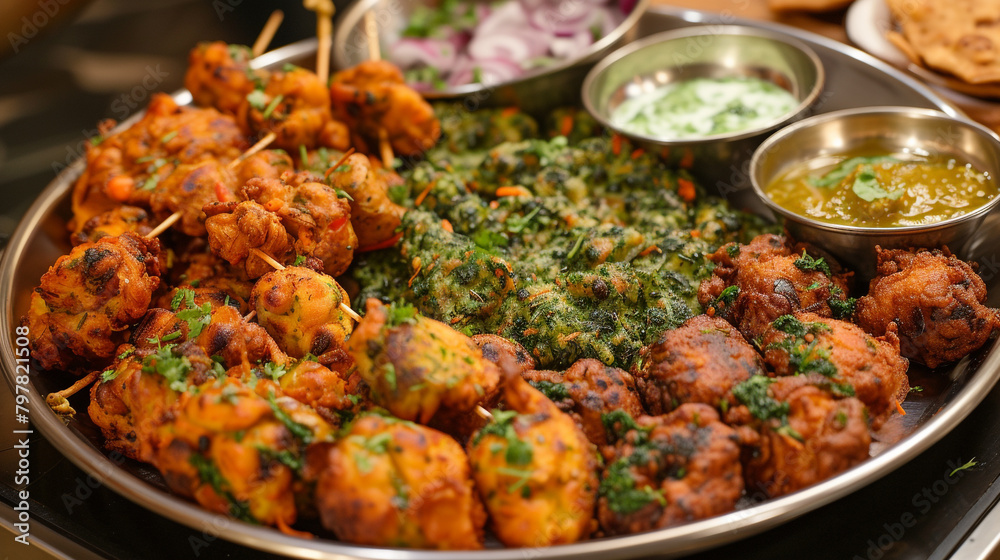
x: 893, y: 129
x: 536, y: 92
x: 706, y: 52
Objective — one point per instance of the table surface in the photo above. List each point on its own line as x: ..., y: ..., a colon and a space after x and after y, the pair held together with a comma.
x: 918, y: 511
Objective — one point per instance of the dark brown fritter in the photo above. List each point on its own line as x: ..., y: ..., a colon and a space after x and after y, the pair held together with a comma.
x: 668, y: 470
x: 797, y: 433
x: 188, y: 189
x: 756, y: 283
x: 86, y: 300
x: 858, y: 364
x: 699, y: 362
x: 588, y: 390
x: 936, y: 301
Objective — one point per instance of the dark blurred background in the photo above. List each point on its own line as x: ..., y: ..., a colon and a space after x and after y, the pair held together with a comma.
x: 67, y: 64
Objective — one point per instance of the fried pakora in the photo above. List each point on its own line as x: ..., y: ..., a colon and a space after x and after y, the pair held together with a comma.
x: 934, y: 299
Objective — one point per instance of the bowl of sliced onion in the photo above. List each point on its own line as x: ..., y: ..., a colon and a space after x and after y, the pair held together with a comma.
x: 529, y: 53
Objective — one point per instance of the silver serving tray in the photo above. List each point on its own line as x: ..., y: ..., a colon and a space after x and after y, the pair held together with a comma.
x: 855, y: 79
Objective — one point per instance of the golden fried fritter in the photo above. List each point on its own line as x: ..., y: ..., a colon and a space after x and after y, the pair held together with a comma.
x: 854, y: 362
x: 395, y: 483
x: 219, y: 75
x: 265, y: 164
x: 309, y: 382
x: 128, y: 167
x: 797, y: 432
x: 236, y: 228
x: 587, y: 391
x: 113, y: 223
x: 300, y: 308
x: 935, y: 300
x: 375, y: 218
x: 756, y: 283
x: 195, y: 266
x: 373, y: 96
x: 416, y: 366
x: 188, y: 189
x: 535, y: 470
x: 668, y: 470
x: 698, y: 362
x: 88, y: 298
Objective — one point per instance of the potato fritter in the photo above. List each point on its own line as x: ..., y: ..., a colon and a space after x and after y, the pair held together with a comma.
x: 756, y: 283
x: 668, y: 470
x: 389, y: 482
x: 535, y: 469
x: 935, y: 300
x: 854, y: 363
x: 699, y: 362
x: 587, y: 391
x: 797, y: 431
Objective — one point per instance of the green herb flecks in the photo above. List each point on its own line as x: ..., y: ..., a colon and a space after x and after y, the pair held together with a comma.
x: 300, y: 431
x: 807, y: 263
x: 843, y: 170
x: 968, y: 465
x: 868, y: 188
x: 554, y: 391
x: 209, y: 473
x: 172, y: 366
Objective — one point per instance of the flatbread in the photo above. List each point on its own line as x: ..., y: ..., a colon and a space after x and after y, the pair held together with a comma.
x: 807, y: 5
x: 961, y: 37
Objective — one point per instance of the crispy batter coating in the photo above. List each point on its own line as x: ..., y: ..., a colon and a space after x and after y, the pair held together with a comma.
x: 265, y: 164
x: 188, y: 189
x: 375, y: 218
x: 215, y: 296
x: 112, y: 223
x: 416, y: 366
x: 309, y: 382
x: 195, y: 266
x: 699, y: 362
x: 856, y: 363
x: 936, y: 301
x: 395, y: 483
x: 668, y: 470
x: 295, y: 106
x: 496, y: 348
x: 587, y: 391
x: 756, y: 283
x: 300, y: 308
x: 127, y: 167
x: 373, y: 96
x: 797, y: 432
x: 219, y: 75
x: 88, y: 298
x: 236, y: 228
x: 535, y: 469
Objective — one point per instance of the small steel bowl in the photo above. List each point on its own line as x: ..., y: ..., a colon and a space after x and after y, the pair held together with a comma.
x: 536, y: 92
x: 893, y: 129
x: 714, y: 51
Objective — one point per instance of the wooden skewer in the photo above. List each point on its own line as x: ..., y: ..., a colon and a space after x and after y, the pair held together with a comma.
x: 324, y: 32
x: 267, y: 34
x: 260, y: 145
x: 278, y: 266
x: 250, y: 315
x: 59, y: 402
x: 482, y: 412
x: 340, y: 162
x: 164, y: 224
x: 375, y: 53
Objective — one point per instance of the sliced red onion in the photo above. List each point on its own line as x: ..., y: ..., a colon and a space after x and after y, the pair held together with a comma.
x: 627, y: 5
x: 411, y: 52
x: 564, y: 17
x: 514, y: 45
x: 567, y: 47
x: 507, y: 16
x: 490, y: 71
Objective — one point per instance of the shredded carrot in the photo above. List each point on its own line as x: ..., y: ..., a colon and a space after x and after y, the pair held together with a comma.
x: 221, y: 192
x: 685, y: 189
x: 616, y: 144
x: 649, y: 250
x: 571, y: 336
x: 381, y: 244
x: 273, y: 205
x: 637, y: 153
x: 513, y: 191
x: 494, y: 204
x: 419, y: 264
x: 695, y: 233
x: 423, y: 194
x: 529, y: 332
x: 120, y: 187
x: 899, y: 409
x: 447, y: 226
x: 536, y: 294
x: 508, y: 112
x: 567, y: 125
x: 688, y: 160
x: 456, y: 319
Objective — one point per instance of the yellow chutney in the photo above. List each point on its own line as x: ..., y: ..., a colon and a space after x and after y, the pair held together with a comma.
x: 883, y: 190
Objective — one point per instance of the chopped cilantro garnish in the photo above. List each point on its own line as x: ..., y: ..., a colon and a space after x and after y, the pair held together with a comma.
x: 842, y: 308
x: 299, y: 260
x: 300, y: 431
x: 726, y: 297
x: 108, y: 375
x: 257, y: 99
x: 272, y: 106
x: 968, y: 465
x: 807, y: 263
x: 168, y: 137
x: 172, y: 366
x: 390, y: 375
x: 753, y: 393
x: 274, y: 371
x: 341, y: 193
x: 209, y: 473
x: 400, y: 313
x: 554, y: 391
x: 197, y: 318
